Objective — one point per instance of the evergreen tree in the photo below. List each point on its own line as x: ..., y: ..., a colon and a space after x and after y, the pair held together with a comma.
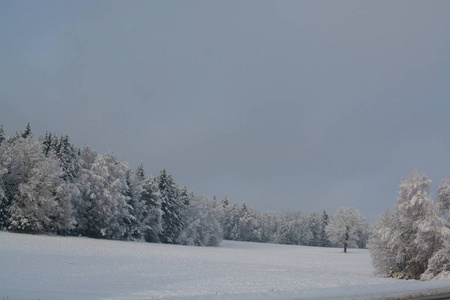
x: 4, y: 201
x: 324, y: 241
x: 83, y: 203
x: 2, y: 134
x: 226, y: 219
x: 315, y: 228
x: 202, y: 222
x: 146, y: 208
x: 66, y: 154
x: 171, y: 206
x: 443, y: 198
x: 27, y: 131
x: 151, y: 220
x: 47, y: 142
x: 140, y: 174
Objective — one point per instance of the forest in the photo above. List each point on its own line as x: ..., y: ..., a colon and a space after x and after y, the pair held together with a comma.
x: 48, y: 185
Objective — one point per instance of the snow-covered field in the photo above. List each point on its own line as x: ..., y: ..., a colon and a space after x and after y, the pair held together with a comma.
x: 49, y: 267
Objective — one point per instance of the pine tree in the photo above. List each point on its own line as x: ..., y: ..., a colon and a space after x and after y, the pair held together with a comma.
x: 140, y: 174
x: 172, y: 208
x: 315, y: 228
x: 146, y: 208
x: 324, y: 241
x: 4, y: 201
x: 83, y: 204
x: 27, y: 131
x: 443, y: 198
x: 2, y: 134
x: 47, y: 142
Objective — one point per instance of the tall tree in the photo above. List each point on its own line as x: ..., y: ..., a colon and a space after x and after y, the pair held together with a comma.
x: 443, y: 198
x: 324, y: 241
x: 27, y: 131
x: 146, y: 206
x: 172, y: 207
x: 315, y: 228
x: 2, y: 134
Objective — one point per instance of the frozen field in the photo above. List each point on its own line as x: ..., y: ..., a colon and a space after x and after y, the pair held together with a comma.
x: 49, y: 267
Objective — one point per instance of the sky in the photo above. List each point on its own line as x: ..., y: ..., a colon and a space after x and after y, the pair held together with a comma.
x: 281, y: 105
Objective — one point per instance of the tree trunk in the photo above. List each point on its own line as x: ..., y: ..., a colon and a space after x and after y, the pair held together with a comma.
x: 345, y: 247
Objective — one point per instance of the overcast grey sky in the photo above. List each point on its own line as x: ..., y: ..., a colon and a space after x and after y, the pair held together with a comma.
x: 305, y: 105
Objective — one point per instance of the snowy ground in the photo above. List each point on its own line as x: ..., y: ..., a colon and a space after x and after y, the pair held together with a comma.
x: 48, y: 267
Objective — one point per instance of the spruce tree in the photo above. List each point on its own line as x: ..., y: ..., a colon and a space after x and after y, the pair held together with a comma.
x: 2, y: 134
x: 27, y: 131
x: 324, y: 241
x: 172, y: 207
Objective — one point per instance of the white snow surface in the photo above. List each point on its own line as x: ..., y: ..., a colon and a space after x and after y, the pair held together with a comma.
x: 51, y: 267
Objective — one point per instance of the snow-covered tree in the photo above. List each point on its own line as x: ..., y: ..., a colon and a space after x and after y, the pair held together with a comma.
x: 34, y: 189
x: 2, y: 134
x: 27, y: 131
x: 293, y: 228
x: 83, y: 203
x: 414, y: 237
x: 64, y: 151
x: 315, y: 229
x: 227, y: 222
x: 344, y: 226
x: 146, y: 208
x: 269, y: 225
x: 324, y: 241
x: 385, y: 244
x: 172, y: 207
x: 202, y: 222
x: 4, y: 201
x: 243, y: 224
x: 443, y: 198
x: 104, y: 205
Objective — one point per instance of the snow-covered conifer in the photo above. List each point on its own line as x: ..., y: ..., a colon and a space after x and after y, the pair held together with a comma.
x: 146, y: 207
x: 443, y: 198
x: 315, y: 229
x: 172, y: 207
x: 202, y: 222
x: 27, y: 131
x: 324, y: 241
x: 2, y: 134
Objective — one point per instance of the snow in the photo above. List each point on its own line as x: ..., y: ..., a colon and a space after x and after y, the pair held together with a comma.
x: 51, y: 267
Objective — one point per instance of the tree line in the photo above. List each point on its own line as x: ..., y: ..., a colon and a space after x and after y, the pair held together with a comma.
x: 47, y: 185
